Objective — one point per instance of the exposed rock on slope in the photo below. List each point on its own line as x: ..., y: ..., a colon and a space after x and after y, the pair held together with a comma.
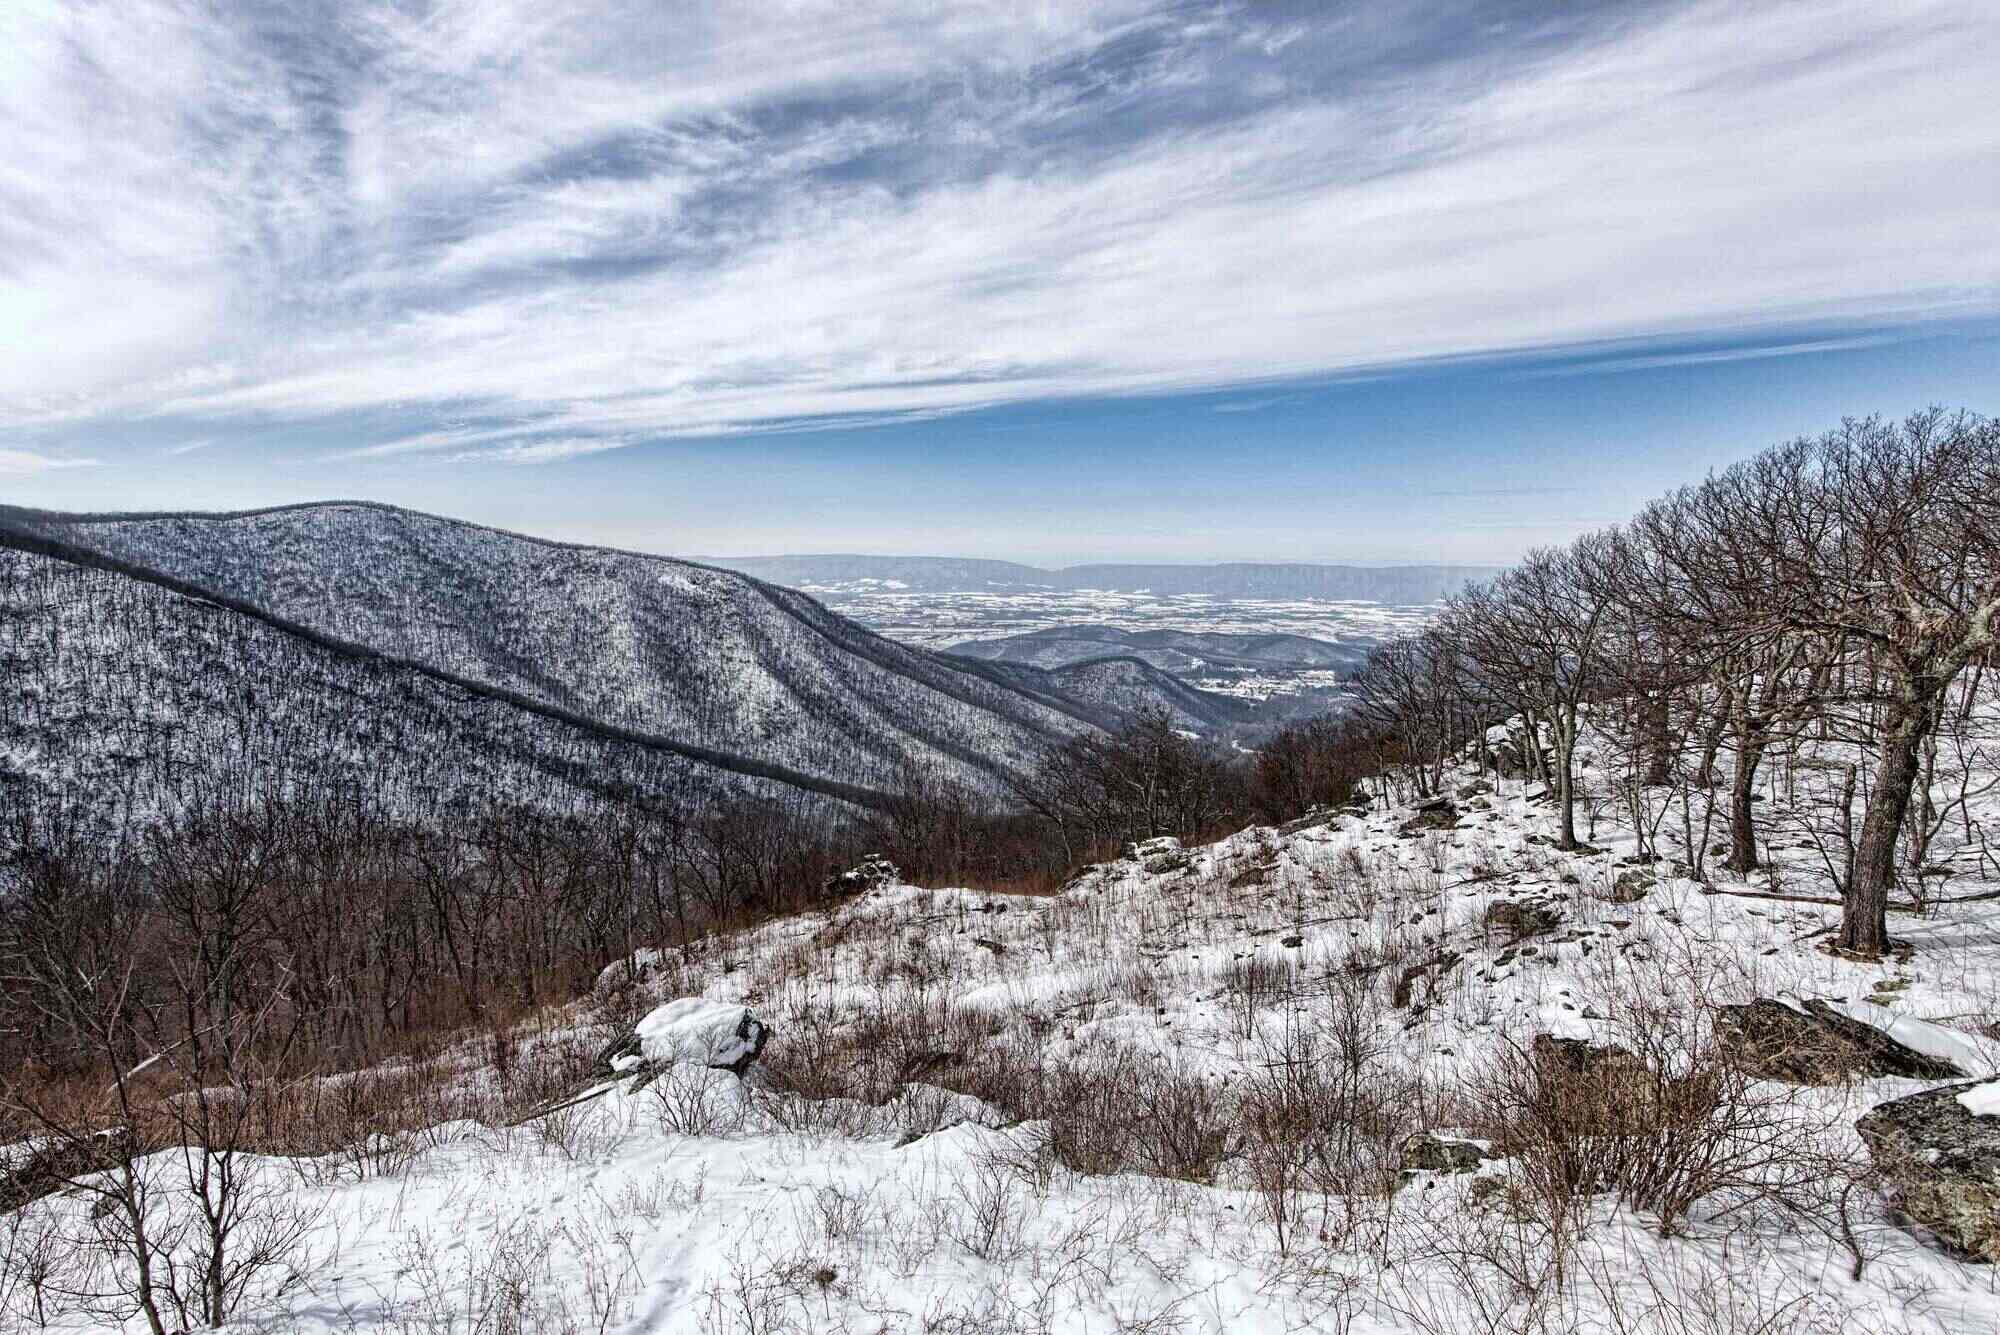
x: 1816, y: 1044
x: 1941, y: 1151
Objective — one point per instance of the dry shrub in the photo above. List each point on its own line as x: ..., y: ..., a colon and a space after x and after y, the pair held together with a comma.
x: 1662, y: 1125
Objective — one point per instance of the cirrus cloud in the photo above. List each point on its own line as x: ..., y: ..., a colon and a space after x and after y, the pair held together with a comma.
x: 584, y: 227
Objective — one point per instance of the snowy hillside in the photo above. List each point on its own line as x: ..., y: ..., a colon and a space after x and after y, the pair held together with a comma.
x: 1179, y: 1095
x: 126, y: 700
x: 1128, y: 686
x: 704, y: 656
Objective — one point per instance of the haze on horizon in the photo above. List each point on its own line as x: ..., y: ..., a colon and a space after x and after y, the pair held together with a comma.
x: 1121, y: 282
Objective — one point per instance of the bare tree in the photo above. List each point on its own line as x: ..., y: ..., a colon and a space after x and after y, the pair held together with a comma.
x: 1534, y: 639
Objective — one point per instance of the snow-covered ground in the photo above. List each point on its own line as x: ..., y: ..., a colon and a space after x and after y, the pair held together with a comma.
x: 858, y: 1185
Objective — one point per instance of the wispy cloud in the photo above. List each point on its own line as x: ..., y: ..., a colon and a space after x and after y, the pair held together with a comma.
x: 585, y: 232
x: 21, y: 463
x: 1252, y: 405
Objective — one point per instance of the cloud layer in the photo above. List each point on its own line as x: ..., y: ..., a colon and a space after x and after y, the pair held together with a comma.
x: 527, y: 231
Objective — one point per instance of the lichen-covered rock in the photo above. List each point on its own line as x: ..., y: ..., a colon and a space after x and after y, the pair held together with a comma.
x: 1432, y: 1152
x: 692, y: 1031
x: 1521, y: 920
x: 1817, y: 1044
x: 1940, y: 1151
x: 1633, y: 886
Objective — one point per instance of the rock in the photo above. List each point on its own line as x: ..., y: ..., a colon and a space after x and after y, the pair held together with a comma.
x: 1632, y: 886
x: 1473, y: 789
x: 1943, y: 1160
x: 50, y: 1168
x: 1816, y: 1045
x: 1316, y: 818
x: 1158, y: 856
x: 1432, y: 1152
x: 1438, y: 813
x: 695, y: 1031
x: 1522, y: 920
x: 871, y: 873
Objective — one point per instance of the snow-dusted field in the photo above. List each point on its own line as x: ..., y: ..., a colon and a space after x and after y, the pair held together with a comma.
x: 939, y: 620
x: 857, y: 1183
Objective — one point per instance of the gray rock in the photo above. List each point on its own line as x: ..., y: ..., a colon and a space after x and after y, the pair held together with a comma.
x: 1944, y: 1165
x: 870, y: 874
x: 1633, y: 886
x: 1521, y: 920
x: 1438, y: 813
x: 1428, y: 1152
x: 1817, y: 1045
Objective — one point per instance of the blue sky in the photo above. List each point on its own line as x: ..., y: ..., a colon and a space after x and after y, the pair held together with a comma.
x: 1051, y: 282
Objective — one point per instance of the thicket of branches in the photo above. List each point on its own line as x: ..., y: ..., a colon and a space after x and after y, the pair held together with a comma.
x: 1843, y: 587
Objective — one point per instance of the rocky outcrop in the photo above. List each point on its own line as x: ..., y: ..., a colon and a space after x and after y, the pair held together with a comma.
x: 1816, y: 1044
x: 1159, y: 856
x: 871, y: 874
x: 1433, y: 1152
x: 1439, y: 813
x: 694, y: 1031
x: 1940, y: 1152
x: 1521, y: 920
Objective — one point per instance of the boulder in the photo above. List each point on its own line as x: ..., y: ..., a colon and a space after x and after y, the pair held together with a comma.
x: 695, y: 1031
x: 1521, y: 920
x: 1817, y: 1044
x: 1433, y: 1152
x: 1158, y: 855
x: 1940, y: 1152
x: 1632, y: 886
x: 1438, y: 813
x: 1578, y: 1056
x: 871, y: 873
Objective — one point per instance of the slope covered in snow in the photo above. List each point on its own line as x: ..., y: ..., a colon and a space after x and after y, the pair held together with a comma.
x: 127, y: 700
x: 704, y: 656
x: 1175, y: 1096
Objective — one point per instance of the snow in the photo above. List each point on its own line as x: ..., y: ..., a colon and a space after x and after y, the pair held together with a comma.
x: 704, y: 1204
x: 700, y: 1031
x: 1982, y: 1100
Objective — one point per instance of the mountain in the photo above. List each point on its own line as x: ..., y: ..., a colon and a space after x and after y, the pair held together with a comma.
x: 728, y: 668
x: 130, y: 697
x: 1129, y: 685
x: 1398, y: 585
x: 1178, y: 652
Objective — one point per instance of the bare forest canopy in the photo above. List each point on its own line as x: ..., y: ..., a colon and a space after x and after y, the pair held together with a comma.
x: 1844, y: 586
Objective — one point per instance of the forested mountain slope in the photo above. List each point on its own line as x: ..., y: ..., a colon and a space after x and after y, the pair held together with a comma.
x: 1130, y: 685
x: 127, y: 700
x: 706, y: 657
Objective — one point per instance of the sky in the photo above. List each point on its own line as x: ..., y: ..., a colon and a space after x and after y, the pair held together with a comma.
x: 1049, y: 282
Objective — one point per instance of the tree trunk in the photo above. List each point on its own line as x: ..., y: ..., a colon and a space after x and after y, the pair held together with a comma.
x: 1659, y: 752
x: 1742, y: 817
x: 1565, y: 747
x: 1864, y: 919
